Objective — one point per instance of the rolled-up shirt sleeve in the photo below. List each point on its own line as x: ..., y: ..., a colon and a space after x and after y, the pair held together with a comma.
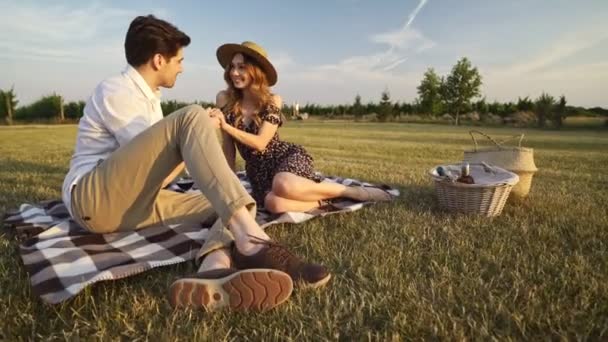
x: 124, y: 116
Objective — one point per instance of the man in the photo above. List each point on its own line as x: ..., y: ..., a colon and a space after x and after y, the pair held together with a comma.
x: 126, y: 153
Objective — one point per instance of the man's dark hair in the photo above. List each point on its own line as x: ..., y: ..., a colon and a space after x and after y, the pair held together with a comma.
x: 148, y: 36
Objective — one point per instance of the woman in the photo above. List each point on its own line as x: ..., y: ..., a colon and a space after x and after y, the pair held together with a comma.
x: 281, y: 173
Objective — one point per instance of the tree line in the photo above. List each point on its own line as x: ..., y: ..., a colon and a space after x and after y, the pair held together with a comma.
x: 455, y: 93
x: 459, y: 93
x: 454, y: 96
x: 53, y: 108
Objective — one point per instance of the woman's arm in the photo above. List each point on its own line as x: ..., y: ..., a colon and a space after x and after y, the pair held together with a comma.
x: 257, y: 141
x: 227, y: 142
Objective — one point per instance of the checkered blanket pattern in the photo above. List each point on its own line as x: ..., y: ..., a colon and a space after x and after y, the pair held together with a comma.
x: 62, y: 258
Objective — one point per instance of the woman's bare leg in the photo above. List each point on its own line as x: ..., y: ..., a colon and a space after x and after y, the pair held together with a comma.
x: 219, y: 258
x: 243, y: 226
x: 291, y: 192
x: 276, y: 204
x: 291, y: 186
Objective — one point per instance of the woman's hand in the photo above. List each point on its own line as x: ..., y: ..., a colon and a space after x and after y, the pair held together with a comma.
x: 218, y: 115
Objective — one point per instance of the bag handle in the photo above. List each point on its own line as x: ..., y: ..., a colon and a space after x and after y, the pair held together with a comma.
x: 498, y: 144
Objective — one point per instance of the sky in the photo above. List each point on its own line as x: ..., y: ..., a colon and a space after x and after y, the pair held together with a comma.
x: 325, y: 52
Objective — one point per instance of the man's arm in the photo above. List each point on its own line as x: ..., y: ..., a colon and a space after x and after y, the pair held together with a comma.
x: 123, y: 118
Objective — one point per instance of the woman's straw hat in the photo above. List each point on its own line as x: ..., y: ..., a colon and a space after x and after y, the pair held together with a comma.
x: 226, y: 52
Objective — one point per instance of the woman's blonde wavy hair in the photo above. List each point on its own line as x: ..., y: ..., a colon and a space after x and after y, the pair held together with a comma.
x: 259, y: 87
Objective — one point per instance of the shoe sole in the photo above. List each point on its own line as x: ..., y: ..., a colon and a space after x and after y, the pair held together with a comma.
x: 302, y: 285
x: 254, y: 289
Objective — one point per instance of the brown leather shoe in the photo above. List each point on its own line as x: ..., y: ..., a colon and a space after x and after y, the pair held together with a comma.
x: 252, y: 289
x: 278, y: 257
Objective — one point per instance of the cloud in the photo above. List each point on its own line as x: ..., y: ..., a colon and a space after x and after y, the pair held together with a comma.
x: 399, y: 45
x: 404, y: 37
x: 394, y: 64
x: 62, y: 33
x: 562, y: 47
x: 546, y: 70
x: 369, y: 73
x: 582, y: 84
x: 282, y: 60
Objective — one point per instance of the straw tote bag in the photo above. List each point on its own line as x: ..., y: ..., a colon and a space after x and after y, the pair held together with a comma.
x: 519, y: 160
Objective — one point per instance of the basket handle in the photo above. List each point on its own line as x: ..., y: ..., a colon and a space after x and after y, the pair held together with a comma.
x: 498, y: 144
x: 520, y: 136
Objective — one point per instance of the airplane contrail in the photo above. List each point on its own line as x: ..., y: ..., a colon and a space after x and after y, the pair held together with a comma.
x: 414, y: 14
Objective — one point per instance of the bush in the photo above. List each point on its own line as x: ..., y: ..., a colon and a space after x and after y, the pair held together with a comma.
x: 171, y: 106
x: 74, y: 110
x: 472, y: 116
x: 447, y: 117
x: 491, y: 119
x: 373, y: 117
x: 522, y: 119
x: 48, y: 107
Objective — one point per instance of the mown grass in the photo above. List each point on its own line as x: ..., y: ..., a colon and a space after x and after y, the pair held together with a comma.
x: 403, y: 270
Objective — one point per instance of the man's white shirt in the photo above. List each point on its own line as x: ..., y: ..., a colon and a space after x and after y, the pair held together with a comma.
x: 120, y: 108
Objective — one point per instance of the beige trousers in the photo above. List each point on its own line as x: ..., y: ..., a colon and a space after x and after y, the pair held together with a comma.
x: 124, y: 191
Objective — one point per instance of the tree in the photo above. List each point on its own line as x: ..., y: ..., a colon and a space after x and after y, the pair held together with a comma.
x: 544, y: 108
x: 406, y: 108
x: 171, y: 106
x: 2, y: 104
x: 510, y: 108
x: 481, y: 106
x: 396, y: 109
x: 8, y: 104
x: 416, y: 106
x: 429, y: 92
x: 386, y: 109
x: 358, y: 107
x: 525, y: 104
x: 460, y: 87
x: 371, y: 107
x: 560, y: 112
x: 61, y: 112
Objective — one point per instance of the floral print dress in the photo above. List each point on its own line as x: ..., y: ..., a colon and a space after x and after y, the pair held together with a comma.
x: 278, y: 156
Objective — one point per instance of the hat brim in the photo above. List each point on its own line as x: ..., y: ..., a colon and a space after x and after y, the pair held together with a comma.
x: 227, y: 51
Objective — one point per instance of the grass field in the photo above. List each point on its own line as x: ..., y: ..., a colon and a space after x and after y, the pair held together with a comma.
x: 586, y: 122
x: 402, y: 270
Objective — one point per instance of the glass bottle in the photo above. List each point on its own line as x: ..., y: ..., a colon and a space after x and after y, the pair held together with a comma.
x: 465, y: 175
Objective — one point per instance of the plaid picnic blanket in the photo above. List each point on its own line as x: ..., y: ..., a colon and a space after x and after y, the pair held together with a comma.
x: 62, y: 258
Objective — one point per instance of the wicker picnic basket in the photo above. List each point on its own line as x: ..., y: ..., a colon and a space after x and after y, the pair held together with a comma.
x: 515, y: 159
x: 486, y: 198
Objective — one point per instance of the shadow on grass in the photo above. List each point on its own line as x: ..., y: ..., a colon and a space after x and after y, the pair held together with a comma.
x: 421, y: 199
x: 26, y: 181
